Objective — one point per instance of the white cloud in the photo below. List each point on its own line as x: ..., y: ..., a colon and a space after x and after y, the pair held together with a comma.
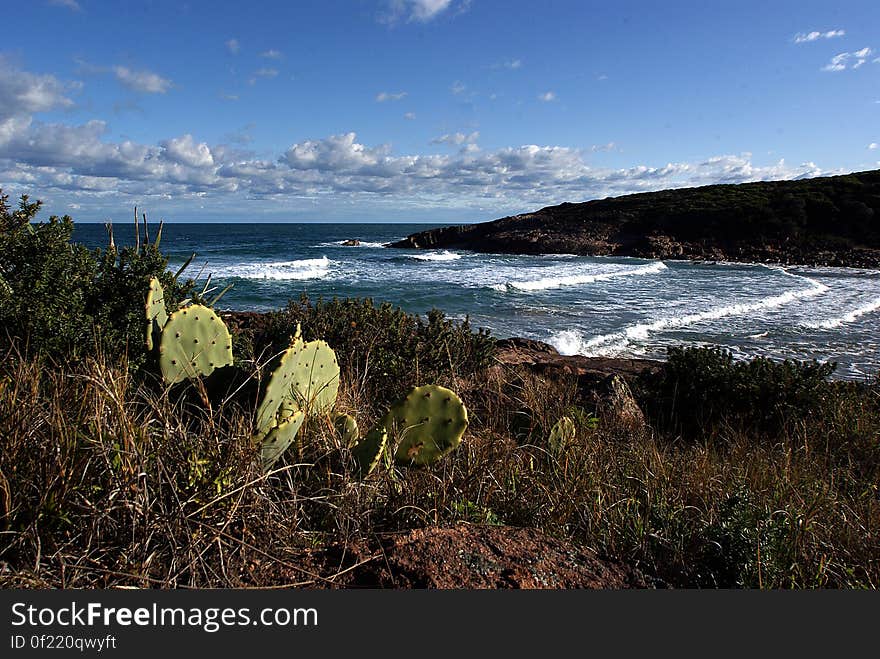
x: 458, y: 88
x: 806, y: 37
x: 382, y: 97
x: 142, y: 81
x: 421, y: 11
x: 853, y: 60
x: 23, y: 93
x: 546, y: 97
x: 272, y: 54
x: 73, y: 5
x: 82, y: 164
x: 872, y: 146
x: 233, y: 46
x: 457, y: 139
x: 409, y: 116
x: 610, y: 146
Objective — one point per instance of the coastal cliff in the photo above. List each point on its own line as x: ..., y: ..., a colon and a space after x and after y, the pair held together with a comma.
x: 831, y: 220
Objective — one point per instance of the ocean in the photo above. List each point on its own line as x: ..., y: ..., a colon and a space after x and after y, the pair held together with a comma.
x: 596, y: 306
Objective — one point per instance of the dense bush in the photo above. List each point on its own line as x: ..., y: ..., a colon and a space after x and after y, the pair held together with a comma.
x: 63, y: 300
x: 704, y: 387
x: 381, y: 348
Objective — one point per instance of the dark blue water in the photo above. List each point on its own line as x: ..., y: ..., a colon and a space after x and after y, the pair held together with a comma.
x: 582, y: 305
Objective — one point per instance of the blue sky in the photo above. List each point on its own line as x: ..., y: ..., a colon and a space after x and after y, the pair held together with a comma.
x: 424, y: 110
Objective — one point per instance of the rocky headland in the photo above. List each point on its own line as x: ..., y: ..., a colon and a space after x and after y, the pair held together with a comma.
x: 820, y: 221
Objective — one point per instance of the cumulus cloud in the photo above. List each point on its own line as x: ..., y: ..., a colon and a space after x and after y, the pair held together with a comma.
x: 84, y: 163
x: 23, y: 93
x: 457, y: 139
x: 339, y: 167
x: 233, y: 46
x: 382, y: 97
x: 409, y: 116
x: 872, y: 146
x: 142, y: 81
x: 610, y: 146
x: 458, y: 88
x: 272, y: 54
x: 853, y: 60
x: 546, y: 97
x: 806, y: 37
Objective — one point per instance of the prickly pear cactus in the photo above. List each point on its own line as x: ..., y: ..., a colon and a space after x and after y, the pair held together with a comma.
x: 347, y: 428
x: 155, y: 311
x: 316, y: 380
x: 279, y: 439
x: 561, y: 434
x: 427, y: 424
x: 193, y: 343
x: 277, y: 389
x: 368, y: 452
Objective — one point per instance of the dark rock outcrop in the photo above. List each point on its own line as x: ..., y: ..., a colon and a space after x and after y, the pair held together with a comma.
x: 821, y: 221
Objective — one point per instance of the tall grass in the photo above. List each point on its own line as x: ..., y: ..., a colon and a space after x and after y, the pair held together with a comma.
x: 107, y: 481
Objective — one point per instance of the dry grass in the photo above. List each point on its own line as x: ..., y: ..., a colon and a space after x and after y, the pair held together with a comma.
x: 107, y: 482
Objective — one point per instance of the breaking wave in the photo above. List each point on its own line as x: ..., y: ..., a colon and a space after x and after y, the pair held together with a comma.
x: 437, y: 256
x: 575, y: 280
x: 281, y: 270
x: 571, y: 342
x: 848, y: 317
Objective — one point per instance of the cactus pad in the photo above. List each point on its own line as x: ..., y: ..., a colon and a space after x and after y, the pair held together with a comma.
x: 279, y: 439
x: 347, y: 428
x: 277, y: 389
x: 561, y: 434
x: 368, y: 452
x: 155, y: 310
x: 427, y: 424
x: 194, y: 342
x: 316, y: 381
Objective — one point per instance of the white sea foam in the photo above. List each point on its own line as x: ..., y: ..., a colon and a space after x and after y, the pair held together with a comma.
x: 281, y: 270
x: 572, y: 342
x: 445, y: 255
x: 578, y: 279
x: 849, y: 317
x: 362, y: 243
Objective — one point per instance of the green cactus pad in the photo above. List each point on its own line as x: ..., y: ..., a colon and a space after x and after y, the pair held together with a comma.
x: 427, y: 424
x: 347, y: 428
x: 368, y: 452
x: 316, y: 381
x: 279, y: 439
x: 194, y: 342
x: 155, y: 311
x: 277, y: 389
x: 561, y: 434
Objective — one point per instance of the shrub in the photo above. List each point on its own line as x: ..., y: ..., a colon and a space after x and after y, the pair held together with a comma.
x: 704, y: 387
x: 381, y: 348
x: 62, y: 300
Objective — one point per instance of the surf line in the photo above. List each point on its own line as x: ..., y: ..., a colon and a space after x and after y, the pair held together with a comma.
x: 642, y: 331
x: 574, y: 280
